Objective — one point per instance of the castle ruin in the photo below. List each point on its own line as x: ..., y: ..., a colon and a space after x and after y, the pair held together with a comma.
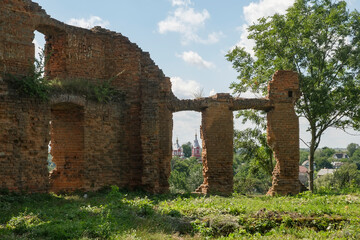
x: 125, y: 143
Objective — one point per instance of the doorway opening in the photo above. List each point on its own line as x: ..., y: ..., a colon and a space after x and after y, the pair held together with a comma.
x: 253, y: 160
x: 186, y: 165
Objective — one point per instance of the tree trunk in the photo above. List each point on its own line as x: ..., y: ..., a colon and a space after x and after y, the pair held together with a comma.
x: 311, y: 161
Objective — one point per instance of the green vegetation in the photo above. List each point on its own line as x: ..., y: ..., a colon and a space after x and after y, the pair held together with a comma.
x: 249, y: 176
x: 320, y: 40
x: 187, y: 149
x: 253, y: 159
x: 186, y: 175
x: 101, y: 91
x: 36, y: 85
x: 114, y: 214
x: 39, y: 87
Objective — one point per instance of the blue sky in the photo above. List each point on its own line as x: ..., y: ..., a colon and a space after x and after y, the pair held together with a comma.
x: 188, y: 40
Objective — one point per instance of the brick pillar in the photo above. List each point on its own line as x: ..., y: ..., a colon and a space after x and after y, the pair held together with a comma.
x: 283, y: 133
x: 217, y: 133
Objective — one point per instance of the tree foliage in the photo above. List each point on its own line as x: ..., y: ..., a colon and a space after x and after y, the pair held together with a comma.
x: 186, y: 175
x: 345, y: 178
x: 351, y: 148
x: 252, y: 147
x: 249, y: 177
x: 187, y: 149
x: 320, y: 39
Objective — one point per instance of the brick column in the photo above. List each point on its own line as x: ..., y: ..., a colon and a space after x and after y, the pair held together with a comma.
x: 217, y: 132
x: 283, y: 133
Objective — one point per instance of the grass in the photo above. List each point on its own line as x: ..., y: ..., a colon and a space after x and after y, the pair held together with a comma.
x: 114, y: 214
x: 36, y: 86
x: 102, y: 91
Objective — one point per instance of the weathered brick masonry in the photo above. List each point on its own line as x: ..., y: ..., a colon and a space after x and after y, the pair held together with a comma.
x: 126, y: 143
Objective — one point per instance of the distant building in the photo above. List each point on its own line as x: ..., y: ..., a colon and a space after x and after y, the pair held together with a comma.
x: 325, y: 171
x: 196, y: 150
x: 177, y: 150
x: 303, y: 175
x: 340, y: 156
x: 307, y: 164
x: 337, y: 165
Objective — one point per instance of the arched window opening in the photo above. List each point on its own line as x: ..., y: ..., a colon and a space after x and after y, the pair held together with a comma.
x: 39, y: 54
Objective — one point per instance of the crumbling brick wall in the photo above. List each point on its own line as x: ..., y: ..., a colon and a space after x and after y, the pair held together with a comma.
x: 23, y: 145
x: 217, y: 134
x: 125, y: 142
x: 67, y: 147
x: 283, y: 132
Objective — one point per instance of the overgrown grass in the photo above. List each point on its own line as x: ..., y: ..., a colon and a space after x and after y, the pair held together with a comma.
x: 38, y: 87
x: 101, y: 91
x: 114, y: 214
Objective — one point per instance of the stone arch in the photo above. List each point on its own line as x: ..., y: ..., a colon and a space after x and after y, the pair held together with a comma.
x: 67, y: 146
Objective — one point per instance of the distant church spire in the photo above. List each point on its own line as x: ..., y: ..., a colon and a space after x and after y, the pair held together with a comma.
x: 196, y: 150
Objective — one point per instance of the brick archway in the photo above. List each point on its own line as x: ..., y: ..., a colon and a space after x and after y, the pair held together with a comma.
x: 217, y: 134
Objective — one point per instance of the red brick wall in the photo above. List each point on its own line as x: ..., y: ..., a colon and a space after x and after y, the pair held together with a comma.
x: 283, y: 133
x: 127, y: 143
x: 23, y: 145
x: 217, y: 132
x: 67, y: 147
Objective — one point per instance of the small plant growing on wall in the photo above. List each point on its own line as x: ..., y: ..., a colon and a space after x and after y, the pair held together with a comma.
x: 36, y: 85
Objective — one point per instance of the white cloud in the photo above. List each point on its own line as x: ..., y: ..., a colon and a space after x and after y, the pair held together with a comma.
x: 212, y: 92
x: 246, y: 94
x: 265, y: 8
x: 253, y: 12
x: 194, y: 58
x: 186, y: 124
x: 180, y: 2
x: 187, y: 22
x: 89, y: 23
x: 38, y: 48
x: 184, y: 20
x: 184, y: 89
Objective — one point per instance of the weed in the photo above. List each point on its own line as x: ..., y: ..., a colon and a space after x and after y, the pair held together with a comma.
x: 36, y: 85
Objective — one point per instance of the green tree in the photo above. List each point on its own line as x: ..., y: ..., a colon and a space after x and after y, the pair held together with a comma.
x: 320, y: 39
x: 322, y: 162
x: 186, y: 174
x: 304, y: 155
x: 351, y: 148
x: 355, y: 158
x: 327, y: 152
x: 251, y: 145
x: 347, y: 176
x: 250, y: 179
x: 187, y: 149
